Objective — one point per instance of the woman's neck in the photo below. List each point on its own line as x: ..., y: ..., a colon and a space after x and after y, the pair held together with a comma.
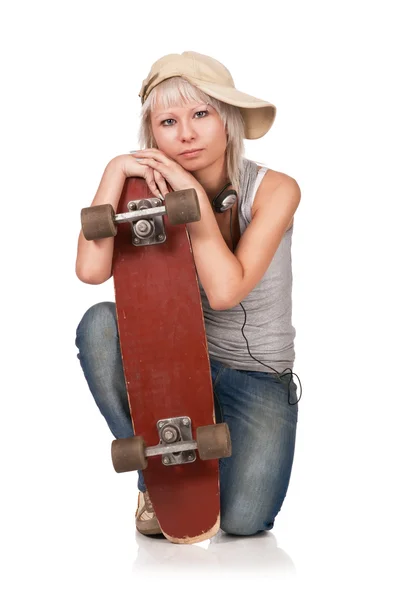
x: 213, y: 177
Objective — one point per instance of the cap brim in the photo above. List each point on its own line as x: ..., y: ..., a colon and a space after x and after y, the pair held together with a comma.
x: 258, y: 114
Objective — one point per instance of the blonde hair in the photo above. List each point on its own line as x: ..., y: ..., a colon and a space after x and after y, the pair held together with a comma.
x: 175, y: 91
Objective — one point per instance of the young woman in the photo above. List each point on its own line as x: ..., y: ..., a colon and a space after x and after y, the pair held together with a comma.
x: 192, y: 130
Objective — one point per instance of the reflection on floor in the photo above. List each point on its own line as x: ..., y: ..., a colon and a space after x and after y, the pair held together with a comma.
x: 258, y: 553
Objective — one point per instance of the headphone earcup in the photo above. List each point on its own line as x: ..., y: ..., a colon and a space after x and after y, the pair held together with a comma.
x: 225, y: 200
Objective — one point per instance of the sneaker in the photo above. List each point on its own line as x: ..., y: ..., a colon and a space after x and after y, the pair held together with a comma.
x: 146, y: 521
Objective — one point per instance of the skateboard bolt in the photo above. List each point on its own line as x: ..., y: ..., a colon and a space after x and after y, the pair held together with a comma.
x: 143, y: 228
x: 166, y: 460
x: 186, y: 422
x: 169, y: 434
x: 143, y: 204
x: 137, y: 241
x: 190, y: 457
x: 160, y: 237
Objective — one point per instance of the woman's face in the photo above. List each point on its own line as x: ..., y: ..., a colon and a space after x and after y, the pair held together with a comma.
x: 192, y: 126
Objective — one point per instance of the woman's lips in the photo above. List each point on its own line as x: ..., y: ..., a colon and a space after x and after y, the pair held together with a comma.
x: 194, y: 153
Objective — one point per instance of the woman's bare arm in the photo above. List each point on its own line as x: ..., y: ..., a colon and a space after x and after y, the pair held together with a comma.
x: 228, y: 278
x: 94, y: 257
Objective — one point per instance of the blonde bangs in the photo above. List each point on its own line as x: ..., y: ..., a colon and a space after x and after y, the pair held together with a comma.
x: 175, y: 92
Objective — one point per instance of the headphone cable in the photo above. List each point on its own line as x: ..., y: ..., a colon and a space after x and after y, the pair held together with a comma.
x: 242, y: 331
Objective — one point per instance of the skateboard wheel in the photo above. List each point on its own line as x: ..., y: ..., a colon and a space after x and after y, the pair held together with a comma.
x: 214, y: 441
x: 128, y: 454
x: 182, y: 207
x: 98, y: 222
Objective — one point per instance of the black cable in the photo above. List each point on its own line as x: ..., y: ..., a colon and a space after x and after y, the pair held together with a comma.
x: 242, y: 331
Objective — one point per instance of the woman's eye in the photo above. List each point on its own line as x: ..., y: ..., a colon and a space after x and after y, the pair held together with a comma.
x: 168, y: 123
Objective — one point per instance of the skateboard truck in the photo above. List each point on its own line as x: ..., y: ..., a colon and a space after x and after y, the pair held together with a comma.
x: 176, y: 445
x: 147, y: 226
x: 145, y: 216
x: 176, y: 441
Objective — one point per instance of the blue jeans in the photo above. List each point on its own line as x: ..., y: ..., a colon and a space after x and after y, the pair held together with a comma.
x: 254, y: 480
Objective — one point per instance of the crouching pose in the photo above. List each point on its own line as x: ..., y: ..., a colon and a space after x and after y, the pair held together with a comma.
x: 193, y: 124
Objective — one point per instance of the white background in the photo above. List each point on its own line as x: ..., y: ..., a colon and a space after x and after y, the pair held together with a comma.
x: 71, y: 73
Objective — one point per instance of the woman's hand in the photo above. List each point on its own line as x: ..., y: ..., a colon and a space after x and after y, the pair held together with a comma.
x: 132, y: 168
x: 167, y: 171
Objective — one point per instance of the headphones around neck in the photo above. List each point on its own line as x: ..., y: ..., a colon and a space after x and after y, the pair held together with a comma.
x: 224, y: 200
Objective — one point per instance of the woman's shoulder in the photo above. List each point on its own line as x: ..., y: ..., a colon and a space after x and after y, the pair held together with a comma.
x: 272, y: 175
x: 270, y: 181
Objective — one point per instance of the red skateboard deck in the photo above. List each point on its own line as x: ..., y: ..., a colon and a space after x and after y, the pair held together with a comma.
x: 166, y: 366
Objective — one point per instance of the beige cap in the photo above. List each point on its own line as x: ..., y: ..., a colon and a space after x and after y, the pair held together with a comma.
x: 210, y: 76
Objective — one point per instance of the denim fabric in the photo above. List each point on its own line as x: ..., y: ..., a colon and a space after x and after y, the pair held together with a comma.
x: 254, y: 480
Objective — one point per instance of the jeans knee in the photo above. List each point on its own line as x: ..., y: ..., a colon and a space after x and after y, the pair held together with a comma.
x: 238, y: 522
x: 238, y: 528
x: 97, y: 324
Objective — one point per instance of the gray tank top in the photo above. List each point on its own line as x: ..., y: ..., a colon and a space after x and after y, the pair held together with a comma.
x: 268, y: 306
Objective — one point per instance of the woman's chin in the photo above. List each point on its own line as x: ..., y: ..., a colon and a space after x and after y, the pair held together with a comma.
x: 192, y: 165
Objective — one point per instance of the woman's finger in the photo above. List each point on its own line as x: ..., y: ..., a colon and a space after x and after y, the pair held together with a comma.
x: 150, y: 179
x: 154, y: 164
x: 153, y: 153
x: 161, y: 183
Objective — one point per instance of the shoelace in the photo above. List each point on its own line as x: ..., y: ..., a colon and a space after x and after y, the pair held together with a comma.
x: 148, y: 502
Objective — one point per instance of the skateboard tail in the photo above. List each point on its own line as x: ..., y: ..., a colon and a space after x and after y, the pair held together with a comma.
x: 206, y: 535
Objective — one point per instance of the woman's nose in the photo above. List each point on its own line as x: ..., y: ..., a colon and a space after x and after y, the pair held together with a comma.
x: 187, y: 131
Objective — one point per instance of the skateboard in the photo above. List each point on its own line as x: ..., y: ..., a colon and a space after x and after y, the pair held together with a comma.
x: 177, y: 442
